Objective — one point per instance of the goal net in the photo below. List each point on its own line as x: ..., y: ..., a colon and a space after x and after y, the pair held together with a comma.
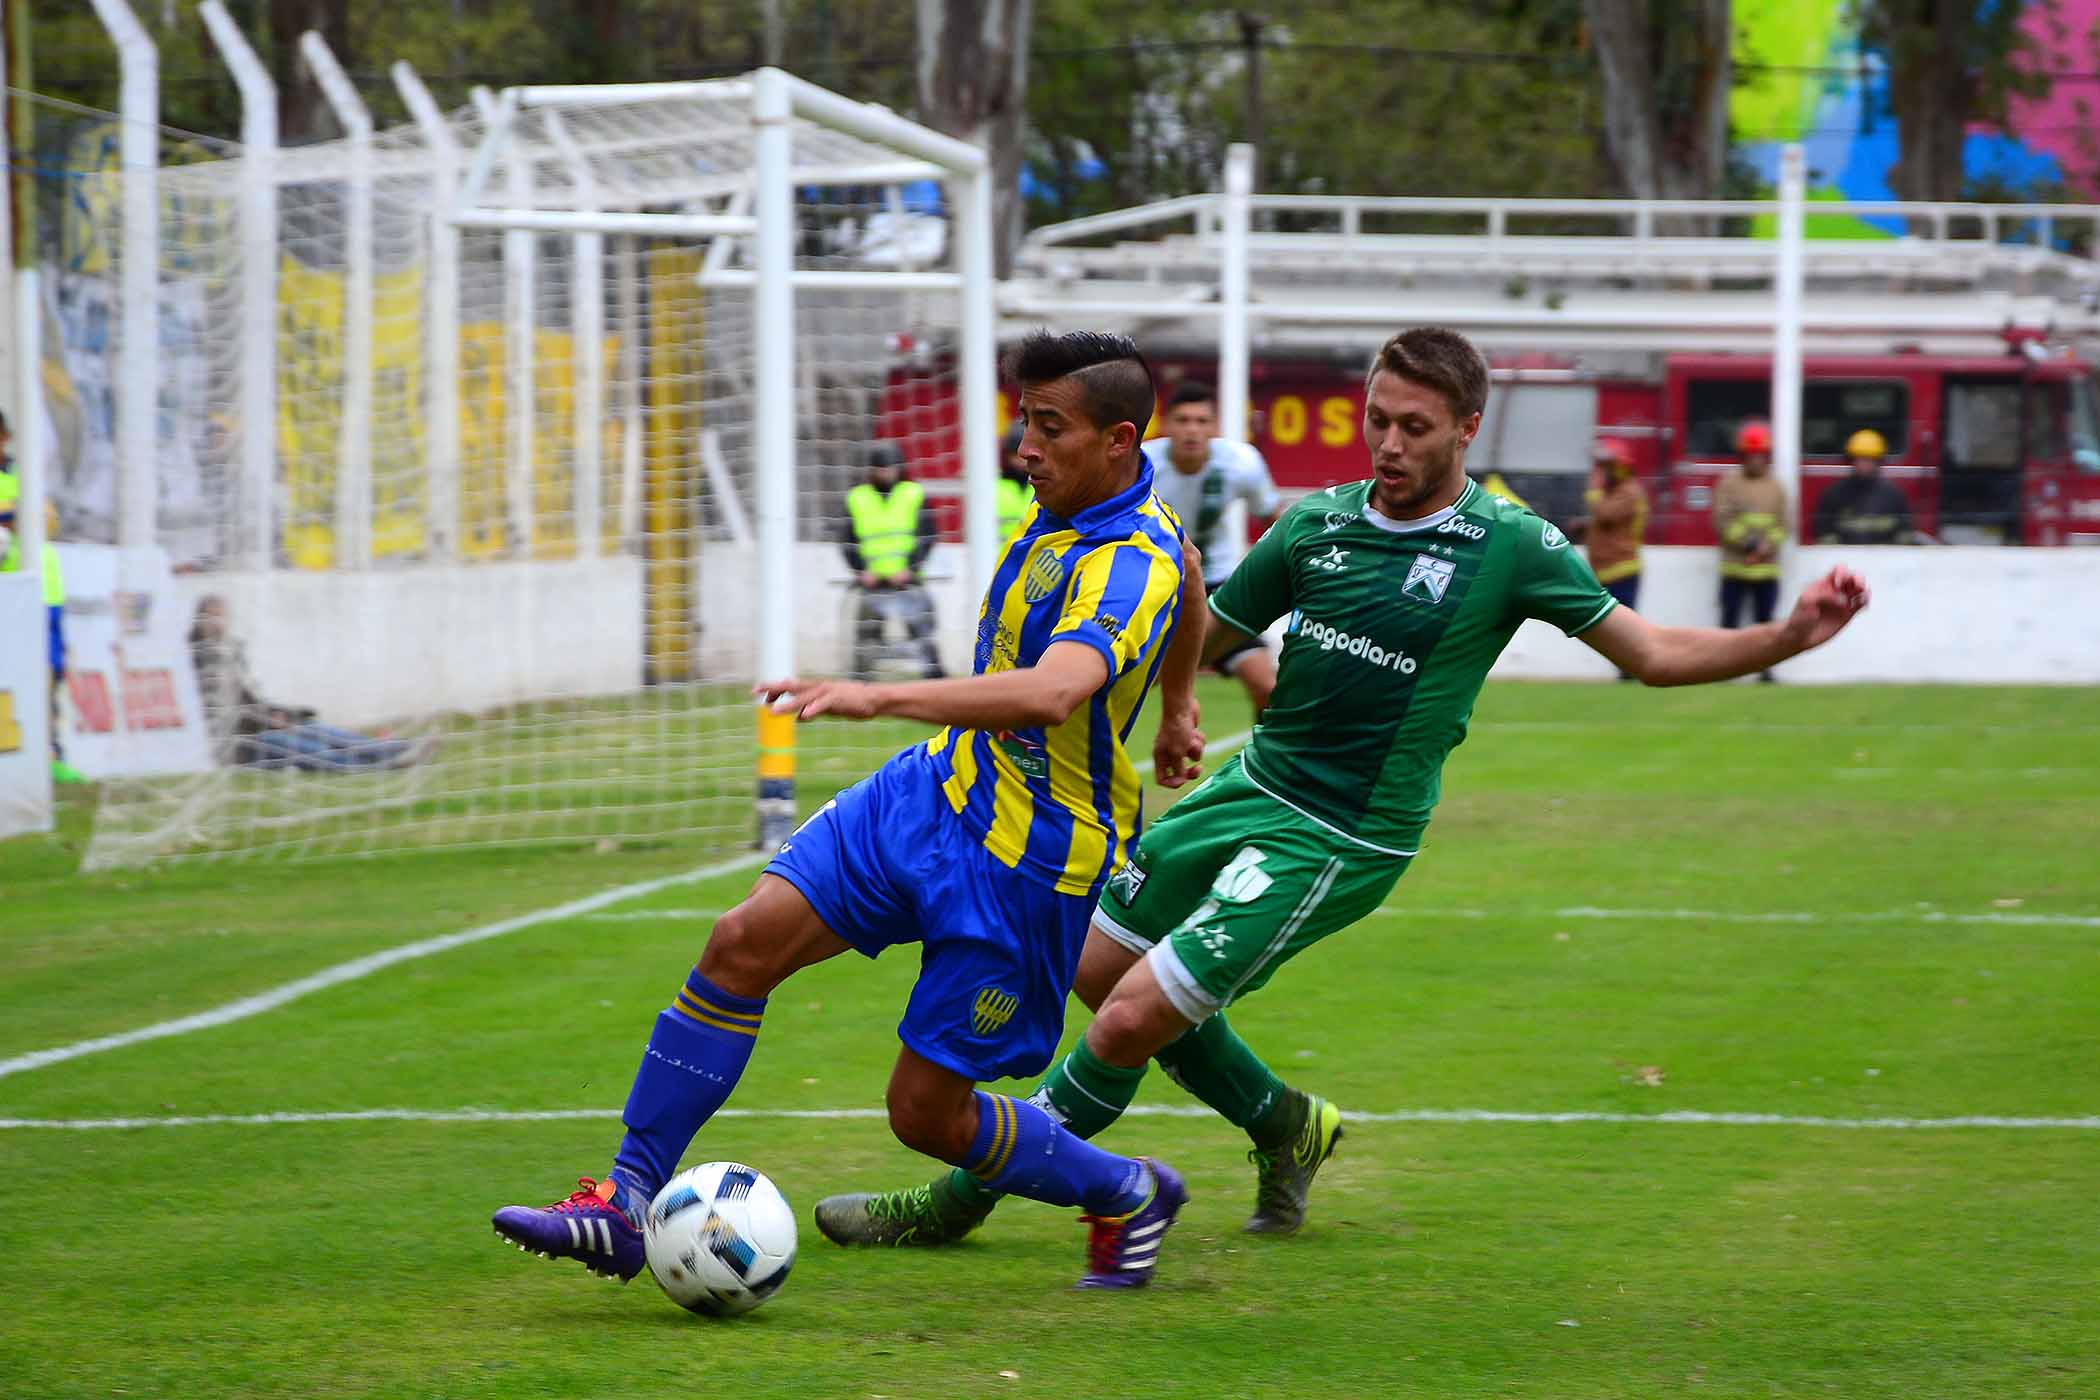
x: 561, y: 401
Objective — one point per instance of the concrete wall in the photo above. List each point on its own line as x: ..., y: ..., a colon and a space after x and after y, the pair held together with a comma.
x: 1953, y: 614
x: 1962, y: 615
x: 367, y: 648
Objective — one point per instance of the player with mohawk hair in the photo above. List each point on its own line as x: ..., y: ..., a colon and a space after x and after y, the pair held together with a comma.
x: 987, y: 844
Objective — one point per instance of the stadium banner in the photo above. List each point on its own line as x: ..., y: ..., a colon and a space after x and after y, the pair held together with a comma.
x: 25, y: 681
x: 133, y: 703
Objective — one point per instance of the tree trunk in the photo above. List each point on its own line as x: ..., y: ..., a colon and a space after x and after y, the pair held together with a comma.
x: 973, y: 83
x: 1666, y: 73
x: 303, y: 113
x: 1931, y: 95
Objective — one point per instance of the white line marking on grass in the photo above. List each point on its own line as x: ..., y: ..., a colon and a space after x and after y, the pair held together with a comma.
x: 630, y: 916
x: 1679, y: 1118
x: 1737, y: 916
x: 358, y: 968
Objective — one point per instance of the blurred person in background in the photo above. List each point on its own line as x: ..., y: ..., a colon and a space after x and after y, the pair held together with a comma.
x: 1750, y: 519
x: 1615, y: 522
x: 248, y: 731
x: 889, y: 533
x: 1015, y: 494
x: 54, y: 593
x: 1200, y: 474
x: 1866, y: 507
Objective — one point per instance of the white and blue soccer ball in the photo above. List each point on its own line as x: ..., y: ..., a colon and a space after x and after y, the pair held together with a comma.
x: 720, y: 1238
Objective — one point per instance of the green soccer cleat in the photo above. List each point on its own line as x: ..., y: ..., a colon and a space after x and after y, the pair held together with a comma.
x: 1283, y: 1175
x: 918, y: 1215
x: 65, y: 773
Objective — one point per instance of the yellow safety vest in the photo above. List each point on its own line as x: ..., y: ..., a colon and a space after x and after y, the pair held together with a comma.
x: 54, y: 581
x: 1013, y: 498
x: 886, y: 527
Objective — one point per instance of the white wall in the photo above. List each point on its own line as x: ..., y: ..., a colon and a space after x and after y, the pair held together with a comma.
x: 1953, y: 614
x: 371, y: 647
x: 25, y: 693
x: 727, y: 590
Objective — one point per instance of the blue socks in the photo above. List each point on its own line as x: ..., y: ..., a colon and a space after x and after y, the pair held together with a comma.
x: 696, y: 1055
x: 1021, y: 1149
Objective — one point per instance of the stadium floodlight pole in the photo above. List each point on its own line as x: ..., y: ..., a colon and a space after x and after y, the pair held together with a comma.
x: 29, y: 422
x: 773, y: 435
x: 138, y: 306
x: 1786, y: 329
x: 977, y: 377
x: 29, y: 504
x: 587, y: 327
x: 353, y: 468
x: 258, y: 178
x: 1232, y: 294
x: 441, y: 312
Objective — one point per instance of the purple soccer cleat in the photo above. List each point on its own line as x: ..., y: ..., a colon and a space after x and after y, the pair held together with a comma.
x: 1121, y: 1249
x: 596, y: 1224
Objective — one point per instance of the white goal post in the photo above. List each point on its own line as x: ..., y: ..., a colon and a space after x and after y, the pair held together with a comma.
x: 800, y: 135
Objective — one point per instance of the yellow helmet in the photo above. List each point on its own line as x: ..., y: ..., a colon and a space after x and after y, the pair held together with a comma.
x: 1866, y: 443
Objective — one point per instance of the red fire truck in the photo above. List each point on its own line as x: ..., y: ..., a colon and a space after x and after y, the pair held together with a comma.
x: 1989, y: 450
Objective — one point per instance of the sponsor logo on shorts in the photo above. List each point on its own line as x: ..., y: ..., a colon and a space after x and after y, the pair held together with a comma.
x: 1126, y: 882
x: 1243, y: 881
x: 992, y: 1009
x: 1327, y: 638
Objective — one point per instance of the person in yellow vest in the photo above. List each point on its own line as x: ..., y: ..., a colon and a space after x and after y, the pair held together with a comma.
x: 1750, y: 519
x: 1494, y: 485
x: 1015, y: 494
x: 54, y: 592
x: 889, y: 533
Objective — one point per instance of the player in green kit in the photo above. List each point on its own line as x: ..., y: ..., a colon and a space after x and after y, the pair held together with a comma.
x: 1400, y: 592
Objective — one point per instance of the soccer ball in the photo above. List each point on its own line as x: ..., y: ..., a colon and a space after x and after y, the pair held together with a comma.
x: 720, y: 1238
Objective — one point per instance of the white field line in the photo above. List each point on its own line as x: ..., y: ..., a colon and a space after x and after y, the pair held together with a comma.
x: 358, y: 968
x: 1677, y: 1118
x: 1738, y: 916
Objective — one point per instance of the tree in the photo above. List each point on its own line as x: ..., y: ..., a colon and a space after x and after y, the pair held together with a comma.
x: 1951, y: 63
x: 973, y: 83
x: 1666, y: 71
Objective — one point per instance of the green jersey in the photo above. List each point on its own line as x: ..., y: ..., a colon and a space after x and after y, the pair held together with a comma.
x: 1393, y: 626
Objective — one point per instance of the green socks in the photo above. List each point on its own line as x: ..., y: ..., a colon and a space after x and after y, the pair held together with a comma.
x: 1214, y: 1064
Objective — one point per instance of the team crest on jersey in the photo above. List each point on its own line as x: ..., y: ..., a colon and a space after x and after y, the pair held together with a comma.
x: 1044, y: 575
x: 992, y: 1009
x: 1552, y: 538
x: 1428, y: 579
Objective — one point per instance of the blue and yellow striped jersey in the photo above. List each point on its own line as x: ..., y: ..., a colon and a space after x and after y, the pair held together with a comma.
x: 1061, y: 803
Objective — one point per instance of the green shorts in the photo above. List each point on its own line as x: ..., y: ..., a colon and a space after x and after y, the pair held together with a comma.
x: 1230, y: 884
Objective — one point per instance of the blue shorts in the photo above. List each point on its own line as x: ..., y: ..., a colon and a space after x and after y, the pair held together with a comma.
x: 887, y: 862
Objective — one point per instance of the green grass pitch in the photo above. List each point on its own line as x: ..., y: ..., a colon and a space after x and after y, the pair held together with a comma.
x: 1842, y: 904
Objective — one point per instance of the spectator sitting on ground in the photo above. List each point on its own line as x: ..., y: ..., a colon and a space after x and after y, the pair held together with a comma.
x: 250, y: 732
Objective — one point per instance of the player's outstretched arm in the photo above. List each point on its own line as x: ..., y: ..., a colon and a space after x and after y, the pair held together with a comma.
x: 1696, y: 655
x: 1028, y: 698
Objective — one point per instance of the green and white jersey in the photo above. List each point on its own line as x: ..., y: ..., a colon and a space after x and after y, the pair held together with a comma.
x: 1393, y: 626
